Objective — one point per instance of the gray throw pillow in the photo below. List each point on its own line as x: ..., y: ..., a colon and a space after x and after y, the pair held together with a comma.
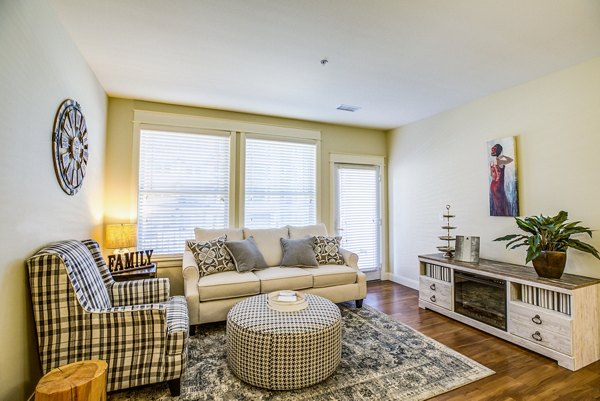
x: 299, y: 252
x: 327, y: 250
x: 211, y: 256
x: 246, y: 255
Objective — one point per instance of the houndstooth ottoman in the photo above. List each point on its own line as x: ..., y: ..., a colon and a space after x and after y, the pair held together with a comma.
x: 284, y: 350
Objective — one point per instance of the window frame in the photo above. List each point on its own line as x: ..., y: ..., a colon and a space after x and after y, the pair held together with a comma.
x: 380, y: 161
x: 237, y: 131
x: 242, y: 170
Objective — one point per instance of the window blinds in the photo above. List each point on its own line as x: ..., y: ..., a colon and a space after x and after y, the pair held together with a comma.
x: 280, y: 183
x: 183, y: 184
x: 358, y: 212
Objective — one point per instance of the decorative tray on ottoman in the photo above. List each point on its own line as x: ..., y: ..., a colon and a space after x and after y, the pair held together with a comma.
x: 287, y: 301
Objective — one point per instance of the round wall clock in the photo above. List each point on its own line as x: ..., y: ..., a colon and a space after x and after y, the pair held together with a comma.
x: 70, y: 146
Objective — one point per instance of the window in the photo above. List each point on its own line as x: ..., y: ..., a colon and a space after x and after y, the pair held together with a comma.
x: 184, y: 181
x: 280, y: 183
x: 191, y: 169
x: 358, y: 214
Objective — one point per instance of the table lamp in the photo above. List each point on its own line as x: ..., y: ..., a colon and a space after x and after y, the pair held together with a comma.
x: 120, y: 237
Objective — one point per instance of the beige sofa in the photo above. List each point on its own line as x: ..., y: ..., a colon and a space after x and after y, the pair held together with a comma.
x: 209, y: 298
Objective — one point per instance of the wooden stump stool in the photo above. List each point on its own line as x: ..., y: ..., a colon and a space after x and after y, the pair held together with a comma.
x: 80, y: 381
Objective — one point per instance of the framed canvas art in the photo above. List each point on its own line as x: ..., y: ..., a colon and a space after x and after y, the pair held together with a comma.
x: 502, y: 158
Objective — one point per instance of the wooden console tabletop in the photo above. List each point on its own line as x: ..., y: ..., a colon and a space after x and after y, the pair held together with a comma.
x: 508, y: 270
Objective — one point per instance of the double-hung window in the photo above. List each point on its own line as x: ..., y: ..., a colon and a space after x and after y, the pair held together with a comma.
x: 184, y: 181
x: 191, y: 169
x: 280, y: 183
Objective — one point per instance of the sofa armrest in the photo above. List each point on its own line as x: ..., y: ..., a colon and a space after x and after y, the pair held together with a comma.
x: 190, y: 270
x: 350, y: 258
x: 191, y: 275
x: 138, y: 292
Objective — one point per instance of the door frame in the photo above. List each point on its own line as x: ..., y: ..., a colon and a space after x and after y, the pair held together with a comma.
x: 369, y: 161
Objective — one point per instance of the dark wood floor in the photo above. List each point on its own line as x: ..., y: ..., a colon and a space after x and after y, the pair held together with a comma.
x: 520, y: 374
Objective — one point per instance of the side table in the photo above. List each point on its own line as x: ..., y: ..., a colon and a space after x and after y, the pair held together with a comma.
x: 135, y: 274
x: 78, y: 381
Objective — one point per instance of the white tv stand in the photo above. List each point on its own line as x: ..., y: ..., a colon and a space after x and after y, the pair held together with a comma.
x: 556, y: 318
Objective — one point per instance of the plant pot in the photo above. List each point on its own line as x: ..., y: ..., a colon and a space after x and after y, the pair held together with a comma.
x: 550, y: 264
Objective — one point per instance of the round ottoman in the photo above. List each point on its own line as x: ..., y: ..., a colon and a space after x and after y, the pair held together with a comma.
x: 284, y: 350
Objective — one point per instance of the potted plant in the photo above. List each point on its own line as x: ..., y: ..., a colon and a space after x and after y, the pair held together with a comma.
x: 547, y: 239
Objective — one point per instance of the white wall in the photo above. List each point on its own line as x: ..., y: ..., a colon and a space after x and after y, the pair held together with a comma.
x: 443, y: 160
x: 39, y: 68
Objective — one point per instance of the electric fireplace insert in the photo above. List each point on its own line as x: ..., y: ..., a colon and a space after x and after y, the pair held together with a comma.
x: 480, y: 298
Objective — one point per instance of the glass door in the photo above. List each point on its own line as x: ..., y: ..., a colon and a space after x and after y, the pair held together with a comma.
x: 358, y: 214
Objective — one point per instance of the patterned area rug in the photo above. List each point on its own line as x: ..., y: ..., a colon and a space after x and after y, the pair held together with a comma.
x: 382, y: 359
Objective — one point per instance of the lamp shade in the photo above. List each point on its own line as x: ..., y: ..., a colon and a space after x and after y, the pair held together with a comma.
x: 120, y: 236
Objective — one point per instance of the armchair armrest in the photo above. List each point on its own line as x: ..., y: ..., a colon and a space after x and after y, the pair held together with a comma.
x: 123, y: 336
x: 350, y: 258
x: 138, y: 292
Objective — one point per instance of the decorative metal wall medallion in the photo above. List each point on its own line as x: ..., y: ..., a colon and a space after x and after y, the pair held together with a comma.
x: 70, y: 146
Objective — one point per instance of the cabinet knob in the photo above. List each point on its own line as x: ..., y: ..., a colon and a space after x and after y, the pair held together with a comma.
x: 536, y: 319
x: 432, y: 286
x: 537, y: 336
x: 432, y: 298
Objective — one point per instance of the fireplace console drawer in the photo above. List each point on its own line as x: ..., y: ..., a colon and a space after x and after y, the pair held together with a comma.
x: 435, y: 291
x: 535, y: 317
x: 541, y: 336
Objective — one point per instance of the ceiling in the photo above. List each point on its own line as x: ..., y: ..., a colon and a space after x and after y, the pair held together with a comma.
x: 400, y: 60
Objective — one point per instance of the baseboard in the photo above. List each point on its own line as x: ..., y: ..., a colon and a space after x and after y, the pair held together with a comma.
x: 401, y: 280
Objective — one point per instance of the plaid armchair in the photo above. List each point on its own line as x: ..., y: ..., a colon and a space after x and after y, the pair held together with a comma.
x: 82, y: 313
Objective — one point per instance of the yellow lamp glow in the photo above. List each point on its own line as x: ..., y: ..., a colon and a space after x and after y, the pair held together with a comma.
x: 120, y: 237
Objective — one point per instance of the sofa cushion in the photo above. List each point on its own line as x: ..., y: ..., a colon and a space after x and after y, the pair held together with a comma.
x: 206, y: 234
x: 304, y: 231
x: 267, y: 240
x: 229, y: 284
x: 246, y: 255
x: 299, y: 252
x: 283, y: 278
x: 211, y: 256
x: 331, y: 275
x: 327, y: 250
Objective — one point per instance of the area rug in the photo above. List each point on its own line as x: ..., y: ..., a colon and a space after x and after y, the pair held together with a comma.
x: 382, y: 359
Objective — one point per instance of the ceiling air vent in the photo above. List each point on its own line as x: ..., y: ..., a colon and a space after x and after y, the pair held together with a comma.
x: 347, y: 107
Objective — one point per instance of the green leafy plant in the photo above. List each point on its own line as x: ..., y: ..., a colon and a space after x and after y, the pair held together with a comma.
x: 548, y: 233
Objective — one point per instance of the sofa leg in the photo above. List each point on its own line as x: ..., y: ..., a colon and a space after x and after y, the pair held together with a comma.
x: 175, y: 387
x: 359, y: 303
x: 192, y: 329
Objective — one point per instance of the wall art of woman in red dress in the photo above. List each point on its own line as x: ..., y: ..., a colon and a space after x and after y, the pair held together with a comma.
x: 503, y: 184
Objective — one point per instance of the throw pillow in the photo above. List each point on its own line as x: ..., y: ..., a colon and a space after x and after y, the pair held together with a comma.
x: 246, y: 255
x: 211, y: 256
x: 299, y: 252
x: 327, y: 250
